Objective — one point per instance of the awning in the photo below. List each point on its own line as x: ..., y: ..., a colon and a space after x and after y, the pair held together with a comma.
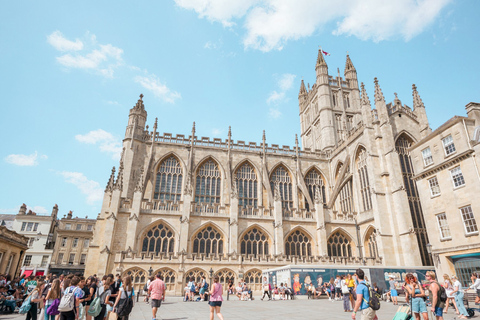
x: 27, y: 273
x: 39, y: 273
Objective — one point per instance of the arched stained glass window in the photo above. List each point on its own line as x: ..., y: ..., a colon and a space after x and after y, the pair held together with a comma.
x: 168, y: 183
x: 169, y: 277
x: 281, y: 178
x: 224, y: 276
x: 298, y: 244
x: 371, y: 244
x: 254, y: 242
x: 195, y: 275
x: 339, y: 245
x: 208, y: 182
x: 139, y: 277
x: 158, y: 239
x: 253, y: 278
x: 364, y: 182
x: 346, y: 200
x: 208, y: 241
x: 246, y: 181
x: 314, y: 182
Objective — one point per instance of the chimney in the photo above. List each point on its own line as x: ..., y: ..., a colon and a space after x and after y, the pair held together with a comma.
x: 473, y: 112
x: 69, y: 214
x: 23, y: 209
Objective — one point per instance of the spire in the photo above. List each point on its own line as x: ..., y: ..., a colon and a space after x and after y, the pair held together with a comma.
x: 365, y: 100
x: 320, y: 59
x: 119, y: 183
x: 396, y: 101
x: 417, y: 101
x: 111, y: 181
x: 378, y: 91
x: 155, y: 126
x: 296, y: 145
x: 349, y: 65
x: 263, y: 140
x: 303, y: 90
x: 139, y: 105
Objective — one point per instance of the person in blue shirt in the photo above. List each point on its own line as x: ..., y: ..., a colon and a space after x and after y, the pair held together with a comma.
x: 363, y: 296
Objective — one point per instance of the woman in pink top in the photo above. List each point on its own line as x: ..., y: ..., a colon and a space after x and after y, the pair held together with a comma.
x: 216, y: 298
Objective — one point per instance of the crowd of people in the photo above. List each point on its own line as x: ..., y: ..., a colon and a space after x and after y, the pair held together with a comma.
x: 67, y: 297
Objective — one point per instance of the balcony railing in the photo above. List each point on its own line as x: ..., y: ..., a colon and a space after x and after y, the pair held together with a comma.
x: 252, y: 212
x: 201, y: 209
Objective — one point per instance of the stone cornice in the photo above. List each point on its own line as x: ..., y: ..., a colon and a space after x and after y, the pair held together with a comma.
x: 444, y: 165
x: 456, y: 248
x: 13, y: 238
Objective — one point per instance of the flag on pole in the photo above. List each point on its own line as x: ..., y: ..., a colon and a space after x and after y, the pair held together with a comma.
x: 325, y: 53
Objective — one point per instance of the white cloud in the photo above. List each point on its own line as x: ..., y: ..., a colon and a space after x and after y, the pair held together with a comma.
x: 274, y: 113
x: 160, y: 90
x: 103, y: 59
x: 275, y: 97
x: 90, y: 188
x: 286, y: 81
x: 36, y: 209
x: 210, y: 45
x: 25, y: 160
x: 269, y: 24
x: 59, y: 42
x: 106, y: 141
x: 216, y: 132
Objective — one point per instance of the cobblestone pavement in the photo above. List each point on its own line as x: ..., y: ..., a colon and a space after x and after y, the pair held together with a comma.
x: 175, y: 309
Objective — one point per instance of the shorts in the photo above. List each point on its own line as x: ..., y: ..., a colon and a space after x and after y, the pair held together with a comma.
x: 338, y: 290
x: 394, y: 293
x: 368, y: 314
x: 478, y: 293
x: 202, y: 291
x: 215, y: 303
x: 418, y: 305
x: 155, y: 303
x: 439, y: 312
x: 329, y: 291
x: 109, y: 308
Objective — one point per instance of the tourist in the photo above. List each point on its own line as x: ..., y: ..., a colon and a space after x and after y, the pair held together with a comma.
x: 346, y: 294
x: 203, y: 288
x: 458, y: 294
x: 351, y: 284
x: 238, y: 291
x: 89, y: 289
x: 393, y: 289
x: 266, y: 289
x: 338, y: 287
x: 156, y: 290
x: 52, y: 294
x: 434, y: 295
x: 363, y: 297
x: 114, y: 288
x: 126, y: 291
x: 191, y: 288
x: 145, y: 288
x: 103, y: 293
x: 447, y: 284
x: 35, y: 295
x: 417, y: 294
x: 476, y: 286
x: 75, y: 287
x: 216, y: 298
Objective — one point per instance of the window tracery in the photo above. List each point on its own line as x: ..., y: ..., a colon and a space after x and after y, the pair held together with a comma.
x: 281, y: 179
x: 168, y: 183
x: 298, y: 244
x: 364, y: 181
x: 158, y: 239
x: 208, y: 241
x: 169, y: 277
x: 139, y: 276
x: 253, y: 278
x: 371, y: 244
x: 224, y: 276
x: 208, y: 183
x: 339, y: 245
x: 196, y: 274
x: 314, y: 182
x: 254, y: 242
x: 246, y: 181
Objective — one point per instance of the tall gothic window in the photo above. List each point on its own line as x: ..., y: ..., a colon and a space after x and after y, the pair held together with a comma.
x: 339, y: 245
x: 168, y: 184
x: 158, y: 239
x: 371, y: 248
x: 338, y: 123
x: 254, y: 242
x: 298, y: 244
x: 346, y: 203
x: 224, y: 276
x: 208, y: 241
x: 207, y: 186
x: 401, y: 146
x: 246, y: 181
x: 364, y: 182
x: 314, y: 183
x: 281, y: 178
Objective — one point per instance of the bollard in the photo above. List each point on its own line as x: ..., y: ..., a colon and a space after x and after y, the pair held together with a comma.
x: 228, y: 295
x: 138, y: 294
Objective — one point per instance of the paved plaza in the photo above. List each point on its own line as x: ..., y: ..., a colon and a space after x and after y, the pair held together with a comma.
x: 302, y: 308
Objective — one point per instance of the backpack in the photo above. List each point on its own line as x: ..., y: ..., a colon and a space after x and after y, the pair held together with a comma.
x: 205, y: 286
x: 192, y: 287
x: 96, y: 305
x: 442, y: 294
x: 68, y: 301
x: 374, y: 300
x: 26, y: 305
x: 145, y: 287
x: 126, y: 306
x: 53, y: 308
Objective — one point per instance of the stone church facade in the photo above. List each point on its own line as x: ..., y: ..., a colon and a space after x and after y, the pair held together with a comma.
x: 190, y: 206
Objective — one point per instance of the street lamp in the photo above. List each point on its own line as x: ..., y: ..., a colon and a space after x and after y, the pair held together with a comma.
x: 211, y: 276
x: 429, y: 248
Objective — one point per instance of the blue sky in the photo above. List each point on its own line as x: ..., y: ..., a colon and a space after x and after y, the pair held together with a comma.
x: 70, y: 72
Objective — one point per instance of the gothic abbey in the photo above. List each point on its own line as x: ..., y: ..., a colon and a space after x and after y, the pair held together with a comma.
x: 184, y: 205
